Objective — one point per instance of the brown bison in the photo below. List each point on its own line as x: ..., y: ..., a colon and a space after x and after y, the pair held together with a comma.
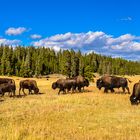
x: 30, y: 85
x: 111, y: 82
x: 7, y: 87
x: 63, y: 84
x: 135, y: 97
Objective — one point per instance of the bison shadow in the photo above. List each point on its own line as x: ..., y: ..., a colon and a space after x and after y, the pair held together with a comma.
x: 1, y: 100
x: 77, y: 92
x: 19, y: 96
x: 22, y: 96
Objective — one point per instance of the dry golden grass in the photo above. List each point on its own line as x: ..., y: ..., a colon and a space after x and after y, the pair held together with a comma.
x: 91, y: 115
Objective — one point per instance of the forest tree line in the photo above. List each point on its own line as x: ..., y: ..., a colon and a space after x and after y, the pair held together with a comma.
x: 28, y: 61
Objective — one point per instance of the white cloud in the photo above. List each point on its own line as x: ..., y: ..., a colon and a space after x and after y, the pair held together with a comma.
x: 122, y: 38
x: 15, y: 31
x: 93, y: 41
x: 70, y: 40
x: 36, y: 36
x: 126, y: 19
x: 4, y: 41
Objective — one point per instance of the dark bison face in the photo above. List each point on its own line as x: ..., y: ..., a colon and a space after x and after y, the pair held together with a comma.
x: 133, y: 100
x: 86, y: 82
x: 54, y: 85
x: 99, y: 84
x: 36, y: 90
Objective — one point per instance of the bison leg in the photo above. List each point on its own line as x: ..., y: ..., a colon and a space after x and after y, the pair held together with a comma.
x: 59, y: 91
x: 123, y: 89
x: 10, y: 94
x: 83, y: 89
x: 74, y: 89
x: 23, y: 91
x: 105, y: 90
x: 128, y: 90
x: 19, y: 90
x: 112, y: 90
x: 30, y: 91
x: 68, y: 90
x: 64, y: 91
x: 14, y: 93
x: 2, y: 94
x: 79, y: 88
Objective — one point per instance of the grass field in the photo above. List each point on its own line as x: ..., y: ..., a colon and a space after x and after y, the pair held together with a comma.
x: 91, y: 115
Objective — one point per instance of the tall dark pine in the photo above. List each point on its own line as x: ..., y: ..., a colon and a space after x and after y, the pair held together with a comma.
x: 76, y: 60
x: 67, y: 63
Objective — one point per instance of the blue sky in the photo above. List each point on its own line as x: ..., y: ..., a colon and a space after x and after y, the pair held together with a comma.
x: 109, y: 27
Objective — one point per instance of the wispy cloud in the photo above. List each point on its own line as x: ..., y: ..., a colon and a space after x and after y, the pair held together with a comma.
x: 15, y: 31
x: 126, y: 19
x: 36, y: 36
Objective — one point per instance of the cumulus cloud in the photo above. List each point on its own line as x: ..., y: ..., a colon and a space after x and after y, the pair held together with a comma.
x: 15, y: 31
x: 36, y: 36
x: 4, y: 41
x: 93, y: 41
x: 71, y: 40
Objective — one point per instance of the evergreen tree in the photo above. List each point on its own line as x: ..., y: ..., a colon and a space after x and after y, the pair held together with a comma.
x: 88, y: 73
x: 27, y: 61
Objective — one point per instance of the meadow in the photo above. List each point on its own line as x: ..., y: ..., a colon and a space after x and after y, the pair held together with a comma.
x: 91, y: 115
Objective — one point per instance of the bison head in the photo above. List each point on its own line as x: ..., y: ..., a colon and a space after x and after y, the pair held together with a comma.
x: 54, y: 85
x: 133, y: 100
x: 36, y: 90
x: 86, y: 82
x: 99, y: 83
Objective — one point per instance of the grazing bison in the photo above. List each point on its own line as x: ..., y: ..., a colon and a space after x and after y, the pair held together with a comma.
x: 135, y: 97
x: 7, y: 87
x: 111, y: 82
x: 64, y: 84
x: 30, y: 85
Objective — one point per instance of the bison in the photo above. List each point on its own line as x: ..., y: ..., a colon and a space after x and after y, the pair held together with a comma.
x: 30, y: 85
x: 111, y: 82
x: 63, y: 84
x: 7, y: 87
x: 135, y: 97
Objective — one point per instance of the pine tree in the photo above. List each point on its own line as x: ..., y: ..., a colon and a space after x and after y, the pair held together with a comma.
x: 3, y: 62
x: 88, y: 73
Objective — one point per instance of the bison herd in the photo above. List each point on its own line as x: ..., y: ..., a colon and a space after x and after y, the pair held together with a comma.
x: 73, y: 85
